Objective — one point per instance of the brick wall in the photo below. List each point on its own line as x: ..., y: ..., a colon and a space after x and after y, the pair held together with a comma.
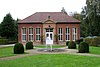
x: 34, y: 26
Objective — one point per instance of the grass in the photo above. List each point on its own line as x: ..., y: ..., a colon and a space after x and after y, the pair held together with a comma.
x: 94, y: 50
x: 53, y: 60
x: 6, y: 51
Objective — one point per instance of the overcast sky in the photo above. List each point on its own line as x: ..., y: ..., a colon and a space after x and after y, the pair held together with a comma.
x: 23, y: 8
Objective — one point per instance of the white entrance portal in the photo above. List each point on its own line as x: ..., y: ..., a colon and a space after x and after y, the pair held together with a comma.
x: 50, y: 34
x: 49, y: 38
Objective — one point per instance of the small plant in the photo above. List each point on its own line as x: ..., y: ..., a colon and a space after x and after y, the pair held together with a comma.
x: 72, y: 45
x: 83, y: 47
x: 29, y: 45
x: 67, y: 43
x: 56, y: 38
x: 18, y: 48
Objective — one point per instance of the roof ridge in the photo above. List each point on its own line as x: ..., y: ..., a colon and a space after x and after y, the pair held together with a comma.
x: 29, y: 16
x: 56, y: 16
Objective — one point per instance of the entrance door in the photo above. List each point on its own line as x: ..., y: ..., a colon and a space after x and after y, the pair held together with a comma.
x: 50, y: 34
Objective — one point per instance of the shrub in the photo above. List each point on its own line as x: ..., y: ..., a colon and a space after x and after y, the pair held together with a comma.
x: 79, y: 41
x: 3, y: 41
x: 29, y: 45
x: 12, y: 42
x: 83, y: 47
x: 18, y: 48
x: 67, y: 43
x: 72, y: 45
x: 93, y: 41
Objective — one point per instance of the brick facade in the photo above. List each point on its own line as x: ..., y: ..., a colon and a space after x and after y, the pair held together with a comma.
x: 48, y: 23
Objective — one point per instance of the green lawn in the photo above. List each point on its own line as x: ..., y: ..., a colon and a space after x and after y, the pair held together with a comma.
x: 53, y: 60
x: 7, y: 51
x: 94, y: 50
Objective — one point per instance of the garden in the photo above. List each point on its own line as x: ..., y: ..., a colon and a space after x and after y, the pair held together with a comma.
x: 49, y: 60
x: 44, y: 59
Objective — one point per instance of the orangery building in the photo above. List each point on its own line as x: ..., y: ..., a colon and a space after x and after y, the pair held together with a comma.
x: 58, y: 25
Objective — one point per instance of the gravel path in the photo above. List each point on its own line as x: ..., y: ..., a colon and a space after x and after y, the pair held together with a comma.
x: 37, y: 51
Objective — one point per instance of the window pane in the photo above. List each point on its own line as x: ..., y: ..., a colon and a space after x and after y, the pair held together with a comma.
x: 23, y: 30
x: 60, y: 33
x: 30, y: 30
x: 74, y: 34
x: 31, y: 37
x: 23, y: 37
x: 67, y: 33
x: 23, y: 33
x: 37, y: 33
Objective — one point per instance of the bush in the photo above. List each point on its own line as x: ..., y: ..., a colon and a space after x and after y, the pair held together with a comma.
x: 83, y: 47
x: 12, y: 42
x: 67, y: 43
x: 29, y: 45
x: 18, y: 48
x: 93, y: 41
x: 3, y: 41
x: 79, y: 41
x: 72, y: 45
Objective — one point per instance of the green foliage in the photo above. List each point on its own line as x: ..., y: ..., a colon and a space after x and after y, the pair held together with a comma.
x: 56, y: 38
x: 6, y: 52
x: 29, y: 45
x: 52, y: 60
x: 90, y: 18
x: 83, y: 47
x: 67, y: 43
x: 8, y: 27
x: 72, y: 45
x: 3, y: 41
x: 93, y: 41
x: 77, y: 16
x: 18, y: 48
x: 79, y: 41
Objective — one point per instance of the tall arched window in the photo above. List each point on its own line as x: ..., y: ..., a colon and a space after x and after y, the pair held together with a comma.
x: 74, y: 31
x: 23, y: 34
x: 67, y: 34
x: 60, y: 33
x: 30, y: 34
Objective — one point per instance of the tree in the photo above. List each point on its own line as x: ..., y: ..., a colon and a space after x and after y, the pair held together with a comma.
x: 90, y: 17
x: 8, y: 27
x: 82, y: 25
x: 0, y: 28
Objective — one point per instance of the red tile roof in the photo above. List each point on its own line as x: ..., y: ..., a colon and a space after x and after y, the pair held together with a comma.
x: 40, y: 17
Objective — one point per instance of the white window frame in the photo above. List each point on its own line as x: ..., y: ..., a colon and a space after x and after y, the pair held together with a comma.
x: 38, y: 39
x: 60, y: 38
x: 24, y: 34
x: 31, y: 34
x: 67, y: 34
x: 74, y: 31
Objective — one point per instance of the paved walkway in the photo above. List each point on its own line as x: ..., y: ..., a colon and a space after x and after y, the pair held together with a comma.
x: 36, y: 52
x: 1, y: 46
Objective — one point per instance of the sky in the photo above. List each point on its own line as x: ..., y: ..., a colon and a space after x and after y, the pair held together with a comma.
x: 23, y: 8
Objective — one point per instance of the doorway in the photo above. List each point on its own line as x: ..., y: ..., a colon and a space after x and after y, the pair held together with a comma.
x: 49, y: 32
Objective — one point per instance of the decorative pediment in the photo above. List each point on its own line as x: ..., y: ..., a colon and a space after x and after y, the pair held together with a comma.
x: 49, y: 21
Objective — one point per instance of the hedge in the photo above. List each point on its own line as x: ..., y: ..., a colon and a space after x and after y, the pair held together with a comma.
x: 83, y: 47
x: 71, y: 45
x: 3, y: 41
x: 93, y: 41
